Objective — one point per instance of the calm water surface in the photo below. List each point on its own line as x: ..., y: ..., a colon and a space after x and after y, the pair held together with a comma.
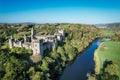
x: 82, y: 65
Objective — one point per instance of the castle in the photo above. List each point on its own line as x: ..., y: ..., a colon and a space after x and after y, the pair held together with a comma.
x: 38, y: 43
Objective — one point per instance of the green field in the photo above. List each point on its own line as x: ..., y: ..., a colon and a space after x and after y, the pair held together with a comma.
x: 108, y: 32
x: 109, y: 50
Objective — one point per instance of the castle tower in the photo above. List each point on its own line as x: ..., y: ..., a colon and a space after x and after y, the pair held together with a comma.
x: 25, y: 38
x: 55, y: 44
x: 41, y: 51
x: 63, y: 33
x: 38, y: 47
x: 32, y: 33
x: 11, y: 40
x: 20, y: 43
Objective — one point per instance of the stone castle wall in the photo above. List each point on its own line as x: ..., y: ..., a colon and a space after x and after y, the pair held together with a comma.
x: 39, y: 43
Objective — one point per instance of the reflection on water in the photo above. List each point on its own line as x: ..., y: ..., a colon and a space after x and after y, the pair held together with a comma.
x: 82, y: 65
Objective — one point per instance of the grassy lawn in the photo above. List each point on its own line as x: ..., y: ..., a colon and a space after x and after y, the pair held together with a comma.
x: 108, y: 32
x: 109, y: 50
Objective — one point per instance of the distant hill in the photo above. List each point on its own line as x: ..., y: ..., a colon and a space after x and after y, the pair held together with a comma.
x: 114, y: 25
x: 101, y: 25
x: 20, y: 23
x: 109, y: 25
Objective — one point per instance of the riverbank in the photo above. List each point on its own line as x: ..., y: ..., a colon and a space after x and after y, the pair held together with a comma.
x: 97, y: 60
x: 109, y: 50
x: 80, y: 53
x: 83, y: 64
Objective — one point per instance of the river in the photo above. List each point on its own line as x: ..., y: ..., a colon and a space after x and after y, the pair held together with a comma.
x: 82, y: 65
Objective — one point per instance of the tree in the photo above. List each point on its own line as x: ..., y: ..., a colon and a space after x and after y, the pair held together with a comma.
x: 2, y: 71
x: 54, y: 55
x: 70, y: 51
x: 44, y: 66
x: 110, y: 71
x: 38, y: 76
x: 61, y: 52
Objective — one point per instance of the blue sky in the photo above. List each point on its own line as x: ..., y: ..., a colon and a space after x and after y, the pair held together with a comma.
x: 60, y: 11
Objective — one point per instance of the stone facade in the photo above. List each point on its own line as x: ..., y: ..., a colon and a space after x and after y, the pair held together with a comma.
x: 38, y: 43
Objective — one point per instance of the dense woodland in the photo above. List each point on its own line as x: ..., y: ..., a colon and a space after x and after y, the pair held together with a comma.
x: 15, y: 63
